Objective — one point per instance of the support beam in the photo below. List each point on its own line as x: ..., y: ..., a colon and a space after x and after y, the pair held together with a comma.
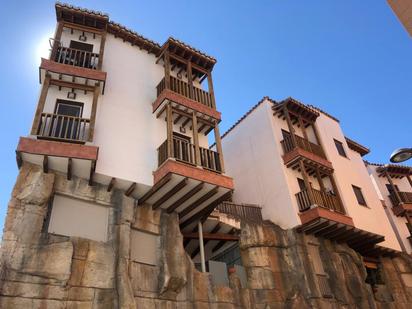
x: 185, y: 197
x: 57, y: 38
x: 111, y: 184
x: 170, y: 193
x: 202, y: 249
x: 130, y: 190
x: 196, y: 138
x: 306, y: 181
x: 45, y: 164
x: 219, y: 147
x: 92, y: 169
x: 101, y: 51
x: 205, y: 212
x: 221, y: 243
x: 336, y: 191
x: 212, y: 236
x: 198, y: 202
x: 69, y: 169
x: 319, y: 177
x: 154, y: 189
x: 40, y: 105
x: 166, y: 60
x: 71, y: 85
x: 190, y: 78
x: 210, y: 86
x: 409, y: 180
x: 215, y: 229
x: 93, y: 112
x: 394, y: 188
x: 169, y: 119
x: 290, y: 125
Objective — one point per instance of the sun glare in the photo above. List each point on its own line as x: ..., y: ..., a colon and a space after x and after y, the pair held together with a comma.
x: 43, y: 46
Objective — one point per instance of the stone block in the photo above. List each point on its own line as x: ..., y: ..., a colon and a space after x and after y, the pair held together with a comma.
x: 146, y: 219
x: 144, y: 277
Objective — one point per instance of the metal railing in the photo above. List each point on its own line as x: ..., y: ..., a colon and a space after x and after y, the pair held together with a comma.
x: 248, y: 212
x: 76, y: 57
x: 62, y: 127
x: 183, y: 88
x: 288, y: 146
x: 321, y: 199
x: 185, y: 152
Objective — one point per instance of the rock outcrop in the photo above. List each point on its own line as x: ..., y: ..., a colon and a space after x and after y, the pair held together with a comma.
x: 284, y: 269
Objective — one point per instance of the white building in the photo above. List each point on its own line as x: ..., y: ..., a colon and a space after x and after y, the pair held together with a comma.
x: 295, y: 161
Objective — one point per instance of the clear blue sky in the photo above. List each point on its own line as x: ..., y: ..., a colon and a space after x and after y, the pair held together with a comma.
x: 351, y: 58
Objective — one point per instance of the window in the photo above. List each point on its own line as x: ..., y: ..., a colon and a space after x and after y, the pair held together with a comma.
x: 301, y: 183
x: 359, y: 195
x: 67, y: 127
x: 81, y: 46
x: 339, y: 147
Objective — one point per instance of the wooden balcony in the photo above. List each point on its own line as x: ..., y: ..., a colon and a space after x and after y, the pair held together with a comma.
x: 321, y: 199
x: 312, y: 154
x: 184, y: 151
x: 248, y: 212
x: 76, y: 57
x: 288, y: 146
x: 401, y: 204
x: 63, y: 128
x: 184, y: 89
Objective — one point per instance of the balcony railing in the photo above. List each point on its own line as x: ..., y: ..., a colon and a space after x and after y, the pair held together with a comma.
x: 251, y: 213
x: 287, y: 144
x: 64, y: 128
x: 405, y: 197
x: 185, y: 152
x: 76, y: 57
x: 183, y: 88
x: 321, y: 199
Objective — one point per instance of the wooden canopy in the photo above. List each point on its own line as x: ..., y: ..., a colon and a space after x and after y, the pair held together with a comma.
x: 76, y: 15
x: 394, y: 170
x: 359, y: 240
x: 296, y: 110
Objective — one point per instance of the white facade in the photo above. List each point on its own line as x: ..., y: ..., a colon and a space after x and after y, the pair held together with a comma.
x: 253, y: 157
x: 399, y: 223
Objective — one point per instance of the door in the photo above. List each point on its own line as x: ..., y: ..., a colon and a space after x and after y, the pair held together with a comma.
x: 68, y: 119
x: 83, y: 55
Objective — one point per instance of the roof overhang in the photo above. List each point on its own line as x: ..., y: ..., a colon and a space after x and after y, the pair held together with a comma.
x: 395, y: 171
x: 80, y: 16
x: 296, y: 110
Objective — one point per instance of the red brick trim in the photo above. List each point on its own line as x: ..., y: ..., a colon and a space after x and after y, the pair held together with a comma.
x: 60, y: 68
x: 319, y: 212
x: 171, y: 166
x: 401, y: 208
x: 299, y: 152
x: 189, y: 103
x: 57, y: 149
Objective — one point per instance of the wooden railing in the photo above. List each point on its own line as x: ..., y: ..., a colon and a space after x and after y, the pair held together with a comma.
x: 406, y: 197
x: 210, y: 159
x: 287, y: 144
x: 322, y: 199
x: 185, y: 152
x: 76, y: 57
x: 66, y: 128
x: 183, y: 88
x: 324, y: 287
x: 248, y: 212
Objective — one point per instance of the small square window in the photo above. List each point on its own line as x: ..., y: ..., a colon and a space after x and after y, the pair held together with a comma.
x: 359, y: 195
x: 339, y: 147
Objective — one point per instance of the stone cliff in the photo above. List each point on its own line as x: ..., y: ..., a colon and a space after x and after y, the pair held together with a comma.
x: 42, y: 270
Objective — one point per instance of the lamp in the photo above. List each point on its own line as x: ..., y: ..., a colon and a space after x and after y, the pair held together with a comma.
x: 401, y: 155
x: 82, y: 37
x: 71, y: 95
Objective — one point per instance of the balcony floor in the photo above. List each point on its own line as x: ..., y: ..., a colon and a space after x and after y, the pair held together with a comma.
x: 291, y: 159
x: 402, y: 208
x: 190, y: 191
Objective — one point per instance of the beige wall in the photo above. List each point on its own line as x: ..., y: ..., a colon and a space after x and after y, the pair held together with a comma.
x: 399, y: 222
x: 67, y: 36
x: 74, y: 217
x: 351, y: 171
x: 253, y: 159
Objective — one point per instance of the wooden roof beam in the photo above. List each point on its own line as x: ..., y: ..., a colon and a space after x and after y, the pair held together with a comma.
x: 155, y: 188
x: 170, y: 193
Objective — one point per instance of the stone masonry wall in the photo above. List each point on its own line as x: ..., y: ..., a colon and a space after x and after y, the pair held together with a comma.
x: 41, y: 270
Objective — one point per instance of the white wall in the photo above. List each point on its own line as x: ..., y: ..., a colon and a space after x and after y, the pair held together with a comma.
x: 400, y: 222
x: 67, y: 36
x: 74, y: 217
x: 351, y: 171
x: 252, y: 158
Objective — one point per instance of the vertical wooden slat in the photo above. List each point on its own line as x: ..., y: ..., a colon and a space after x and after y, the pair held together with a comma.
x: 219, y: 147
x: 166, y: 60
x: 169, y: 130
x: 93, y: 112
x: 196, y: 138
x: 40, y: 104
x: 210, y: 86
x: 101, y: 50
